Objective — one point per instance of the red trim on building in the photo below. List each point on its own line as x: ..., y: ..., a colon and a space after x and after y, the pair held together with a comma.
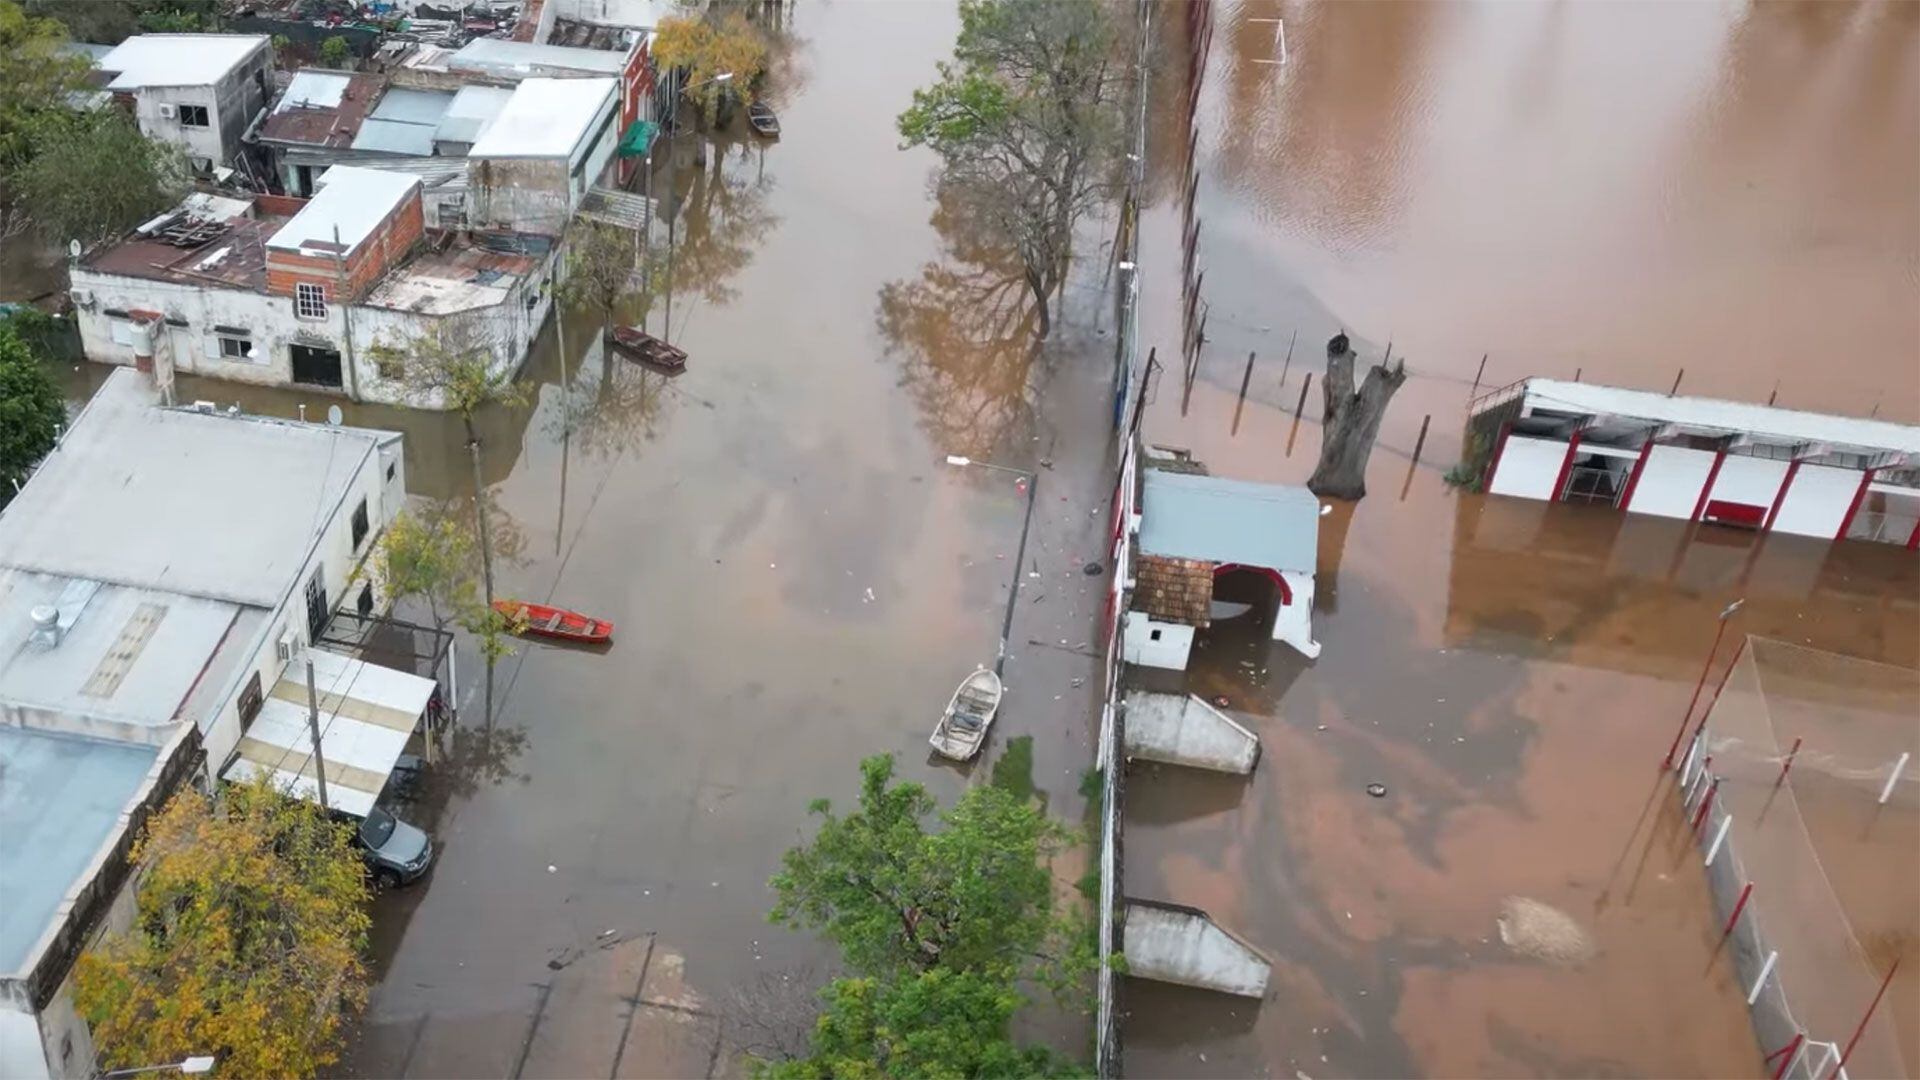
x: 1859, y: 496
x: 1706, y: 489
x: 1633, y: 481
x: 1913, y: 542
x: 1286, y: 594
x: 1566, y: 467
x: 1780, y: 496
x: 1499, y: 447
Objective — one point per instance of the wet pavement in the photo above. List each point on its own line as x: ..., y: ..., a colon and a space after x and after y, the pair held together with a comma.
x: 1616, y: 191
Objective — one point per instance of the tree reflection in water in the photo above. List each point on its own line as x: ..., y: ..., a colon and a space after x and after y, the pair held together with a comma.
x: 963, y: 332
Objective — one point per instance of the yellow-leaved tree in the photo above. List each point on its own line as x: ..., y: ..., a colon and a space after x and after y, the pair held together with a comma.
x: 248, y: 941
x: 722, y: 58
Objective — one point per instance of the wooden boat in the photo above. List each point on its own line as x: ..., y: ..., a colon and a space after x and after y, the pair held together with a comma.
x: 963, y: 727
x: 540, y: 620
x: 637, y: 344
x: 761, y: 116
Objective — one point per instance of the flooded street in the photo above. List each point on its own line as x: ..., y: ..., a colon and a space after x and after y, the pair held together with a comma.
x: 1609, y: 191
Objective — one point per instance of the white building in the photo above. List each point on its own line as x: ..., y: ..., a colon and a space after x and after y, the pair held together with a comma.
x: 198, y: 91
x: 1698, y: 459
x: 1193, y: 529
x: 159, y: 574
x: 280, y: 291
x: 535, y: 163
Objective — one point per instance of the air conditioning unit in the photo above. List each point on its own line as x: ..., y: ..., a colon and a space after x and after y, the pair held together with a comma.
x: 167, y: 110
x: 288, y: 645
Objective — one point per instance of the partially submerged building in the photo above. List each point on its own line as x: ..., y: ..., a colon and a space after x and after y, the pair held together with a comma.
x: 1194, y: 529
x: 542, y: 154
x: 200, y: 92
x: 1698, y: 459
x: 282, y: 291
x: 163, y: 575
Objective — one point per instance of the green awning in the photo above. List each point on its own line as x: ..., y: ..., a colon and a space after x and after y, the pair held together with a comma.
x: 638, y: 139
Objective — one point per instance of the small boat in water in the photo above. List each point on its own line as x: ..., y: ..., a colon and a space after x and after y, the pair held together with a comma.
x: 637, y: 344
x: 761, y: 116
x: 541, y: 620
x: 963, y: 728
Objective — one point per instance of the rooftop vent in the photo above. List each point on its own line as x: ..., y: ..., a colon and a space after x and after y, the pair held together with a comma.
x: 46, y: 624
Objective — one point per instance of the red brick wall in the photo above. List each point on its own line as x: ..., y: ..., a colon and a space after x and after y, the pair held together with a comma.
x: 365, y: 265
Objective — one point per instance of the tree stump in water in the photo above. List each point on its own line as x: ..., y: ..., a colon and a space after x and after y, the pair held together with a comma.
x: 1352, y: 420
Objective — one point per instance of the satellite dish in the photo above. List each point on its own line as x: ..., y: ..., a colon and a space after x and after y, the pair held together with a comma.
x: 334, y: 415
x: 73, y: 248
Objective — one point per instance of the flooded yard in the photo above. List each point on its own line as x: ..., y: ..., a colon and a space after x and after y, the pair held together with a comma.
x: 1613, y: 192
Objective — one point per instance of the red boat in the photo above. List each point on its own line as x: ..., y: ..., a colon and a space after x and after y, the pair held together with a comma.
x: 540, y: 620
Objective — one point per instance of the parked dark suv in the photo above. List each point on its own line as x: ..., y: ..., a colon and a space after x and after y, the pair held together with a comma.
x: 396, y: 852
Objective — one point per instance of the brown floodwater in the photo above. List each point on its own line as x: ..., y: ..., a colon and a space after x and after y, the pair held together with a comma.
x: 1615, y: 191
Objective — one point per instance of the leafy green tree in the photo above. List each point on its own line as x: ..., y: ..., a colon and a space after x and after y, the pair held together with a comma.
x: 92, y: 175
x: 248, y: 943
x: 898, y: 898
x: 426, y: 558
x: 36, y: 77
x: 111, y: 21
x: 31, y: 411
x: 938, y: 1023
x: 1027, y: 123
x: 334, y: 52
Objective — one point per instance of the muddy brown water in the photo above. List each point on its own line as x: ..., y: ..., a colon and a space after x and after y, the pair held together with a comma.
x: 1616, y: 191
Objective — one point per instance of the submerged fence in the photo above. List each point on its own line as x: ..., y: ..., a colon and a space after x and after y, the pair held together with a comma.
x: 1797, y: 789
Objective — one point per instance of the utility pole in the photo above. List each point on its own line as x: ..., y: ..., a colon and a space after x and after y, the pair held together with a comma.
x: 346, y: 311
x: 313, y: 731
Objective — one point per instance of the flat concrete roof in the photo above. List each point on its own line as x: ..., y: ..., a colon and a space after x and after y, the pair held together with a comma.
x: 1773, y: 424
x: 175, y: 500
x: 351, y: 200
x: 129, y: 654
x: 1187, y: 516
x: 177, y: 59
x: 546, y: 118
x: 60, y: 803
x: 502, y: 57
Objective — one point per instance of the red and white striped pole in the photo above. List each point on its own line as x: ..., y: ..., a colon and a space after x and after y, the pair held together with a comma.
x: 1788, y: 764
x: 1702, y: 681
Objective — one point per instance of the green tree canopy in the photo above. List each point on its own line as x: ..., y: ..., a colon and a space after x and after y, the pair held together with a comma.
x: 31, y: 411
x: 899, y: 898
x: 1026, y: 121
x: 248, y: 943
x: 92, y: 175
x: 938, y: 1023
x: 36, y: 75
x: 707, y: 49
x: 335, y: 52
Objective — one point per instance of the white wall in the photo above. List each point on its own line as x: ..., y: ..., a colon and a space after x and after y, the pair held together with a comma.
x: 1139, y: 647
x: 337, y: 559
x: 510, y: 325
x: 642, y: 13
x: 1749, y: 480
x: 201, y: 142
x: 1528, y: 467
x: 1293, y: 623
x: 1817, y: 501
x: 1670, y: 482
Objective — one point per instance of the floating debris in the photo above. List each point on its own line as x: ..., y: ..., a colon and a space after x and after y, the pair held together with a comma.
x: 1542, y: 932
x: 1377, y: 790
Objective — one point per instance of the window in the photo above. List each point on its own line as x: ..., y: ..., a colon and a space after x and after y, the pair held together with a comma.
x: 193, y: 116
x: 236, y: 348
x: 309, y: 301
x: 250, y: 701
x: 1154, y: 636
x: 365, y: 604
x: 318, y: 610
x: 359, y: 524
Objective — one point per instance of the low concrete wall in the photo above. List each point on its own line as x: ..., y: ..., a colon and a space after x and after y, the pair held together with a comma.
x: 1180, y: 729
x: 1183, y: 945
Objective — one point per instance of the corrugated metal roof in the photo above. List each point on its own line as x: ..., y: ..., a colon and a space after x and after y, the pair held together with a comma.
x: 1182, y: 516
x: 1788, y: 425
x: 471, y: 113
x: 314, y: 90
x: 500, y: 56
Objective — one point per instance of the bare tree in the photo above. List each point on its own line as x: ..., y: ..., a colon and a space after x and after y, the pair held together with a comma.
x: 451, y: 366
x: 1027, y: 122
x: 1352, y: 420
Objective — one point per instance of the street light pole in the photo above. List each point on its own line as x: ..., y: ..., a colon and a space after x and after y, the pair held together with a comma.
x: 1020, y: 553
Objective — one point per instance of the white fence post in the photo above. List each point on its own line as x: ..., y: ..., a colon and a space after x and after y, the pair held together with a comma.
x: 1719, y: 838
x: 1766, y: 969
x: 1898, y: 768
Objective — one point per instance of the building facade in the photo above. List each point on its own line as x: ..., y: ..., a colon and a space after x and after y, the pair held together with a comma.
x: 200, y: 92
